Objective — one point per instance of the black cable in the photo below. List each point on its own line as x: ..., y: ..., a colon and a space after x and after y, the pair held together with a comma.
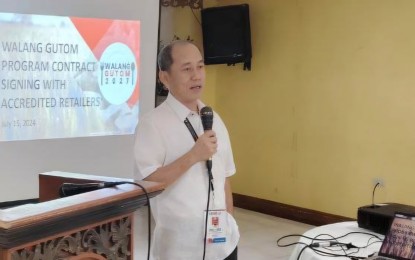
x: 323, y: 253
x: 334, y: 254
x: 330, y: 239
x: 373, y: 193
x: 332, y: 242
x: 360, y: 232
x: 335, y: 243
x: 327, y: 242
x: 69, y: 189
x: 210, y: 179
x: 292, y: 244
x: 350, y: 233
x: 207, y: 212
x: 371, y: 243
x: 327, y: 239
x: 301, y: 252
x: 149, y: 213
x: 195, y: 15
x: 148, y: 216
x: 303, y: 236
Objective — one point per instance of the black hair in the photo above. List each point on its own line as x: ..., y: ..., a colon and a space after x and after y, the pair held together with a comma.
x: 165, y: 58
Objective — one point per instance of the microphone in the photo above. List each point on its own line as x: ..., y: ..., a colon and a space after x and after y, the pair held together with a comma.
x: 206, y: 114
x: 69, y: 189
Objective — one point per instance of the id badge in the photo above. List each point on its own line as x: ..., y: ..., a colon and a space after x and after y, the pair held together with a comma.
x: 217, y: 226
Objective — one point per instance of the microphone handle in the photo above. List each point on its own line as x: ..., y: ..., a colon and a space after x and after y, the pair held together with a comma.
x: 69, y: 189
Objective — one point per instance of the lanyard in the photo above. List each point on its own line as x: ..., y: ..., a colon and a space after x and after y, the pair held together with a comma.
x: 191, y: 129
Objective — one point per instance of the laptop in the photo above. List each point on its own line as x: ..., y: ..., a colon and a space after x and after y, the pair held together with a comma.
x: 399, y: 242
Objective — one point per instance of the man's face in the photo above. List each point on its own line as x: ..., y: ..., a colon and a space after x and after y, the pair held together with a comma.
x: 186, y: 77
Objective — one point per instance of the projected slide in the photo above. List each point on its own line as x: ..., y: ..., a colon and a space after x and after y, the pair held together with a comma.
x: 63, y: 77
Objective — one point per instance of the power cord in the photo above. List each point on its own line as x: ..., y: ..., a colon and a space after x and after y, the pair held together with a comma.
x: 195, y: 15
x: 326, y: 246
x: 326, y: 243
x: 373, y: 193
x: 148, y: 216
x: 334, y: 247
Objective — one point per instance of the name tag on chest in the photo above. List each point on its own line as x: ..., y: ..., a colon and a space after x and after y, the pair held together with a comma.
x: 217, y: 226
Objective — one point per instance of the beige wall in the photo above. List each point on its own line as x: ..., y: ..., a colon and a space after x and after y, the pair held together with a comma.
x: 328, y: 106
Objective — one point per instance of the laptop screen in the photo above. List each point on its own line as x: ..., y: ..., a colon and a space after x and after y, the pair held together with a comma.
x: 399, y: 242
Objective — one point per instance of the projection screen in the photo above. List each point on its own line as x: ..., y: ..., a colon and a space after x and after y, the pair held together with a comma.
x: 81, y: 125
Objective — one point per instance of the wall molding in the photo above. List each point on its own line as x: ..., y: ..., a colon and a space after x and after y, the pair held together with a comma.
x: 307, y: 216
x: 276, y: 209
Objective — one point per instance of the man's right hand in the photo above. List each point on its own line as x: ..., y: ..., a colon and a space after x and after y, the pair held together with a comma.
x: 205, y: 146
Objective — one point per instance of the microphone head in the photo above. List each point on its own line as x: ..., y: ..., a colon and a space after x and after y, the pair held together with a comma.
x: 206, y: 114
x: 69, y: 189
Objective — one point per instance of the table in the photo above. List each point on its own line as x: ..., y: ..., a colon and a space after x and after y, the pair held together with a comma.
x: 337, y: 230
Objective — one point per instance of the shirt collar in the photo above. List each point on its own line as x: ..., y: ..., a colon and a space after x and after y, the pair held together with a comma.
x: 181, y: 110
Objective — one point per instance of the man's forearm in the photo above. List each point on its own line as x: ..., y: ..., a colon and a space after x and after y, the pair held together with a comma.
x: 228, y: 196
x: 204, y: 148
x: 170, y: 173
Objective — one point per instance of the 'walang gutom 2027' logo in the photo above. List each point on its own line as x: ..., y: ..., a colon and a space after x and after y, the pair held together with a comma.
x: 117, y: 76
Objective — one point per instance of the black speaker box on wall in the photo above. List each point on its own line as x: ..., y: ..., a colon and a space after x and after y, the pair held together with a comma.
x: 227, y: 35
